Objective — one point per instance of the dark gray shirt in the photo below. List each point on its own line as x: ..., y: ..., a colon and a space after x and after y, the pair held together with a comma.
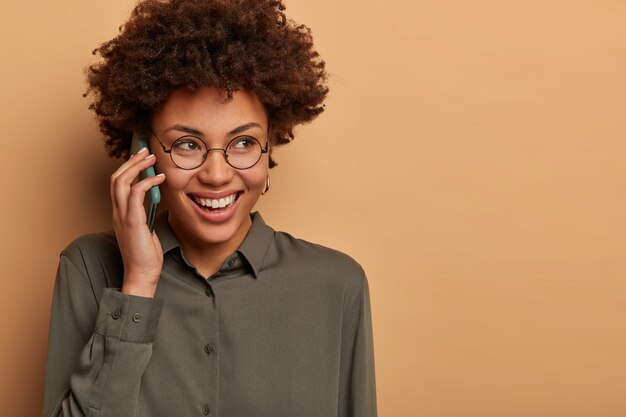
x: 283, y: 329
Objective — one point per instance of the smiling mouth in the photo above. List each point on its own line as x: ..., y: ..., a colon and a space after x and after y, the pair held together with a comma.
x: 215, y: 204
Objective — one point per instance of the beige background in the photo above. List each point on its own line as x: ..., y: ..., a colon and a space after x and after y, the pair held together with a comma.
x: 471, y: 158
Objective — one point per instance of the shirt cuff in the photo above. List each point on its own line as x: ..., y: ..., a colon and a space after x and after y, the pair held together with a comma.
x: 128, y: 317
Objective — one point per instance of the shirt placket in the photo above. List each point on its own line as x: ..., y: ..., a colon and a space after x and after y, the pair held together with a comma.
x: 211, y: 347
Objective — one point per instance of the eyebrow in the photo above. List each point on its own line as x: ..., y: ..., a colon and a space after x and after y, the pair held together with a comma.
x: 243, y: 128
x: 184, y: 129
x: 193, y: 131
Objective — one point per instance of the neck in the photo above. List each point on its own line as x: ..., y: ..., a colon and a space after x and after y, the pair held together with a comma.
x: 207, y: 261
x: 208, y: 257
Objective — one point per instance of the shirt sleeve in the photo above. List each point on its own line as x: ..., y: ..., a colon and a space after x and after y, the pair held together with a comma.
x: 98, y: 349
x: 357, y: 374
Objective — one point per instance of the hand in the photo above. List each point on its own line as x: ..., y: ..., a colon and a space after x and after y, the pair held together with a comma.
x: 141, y: 251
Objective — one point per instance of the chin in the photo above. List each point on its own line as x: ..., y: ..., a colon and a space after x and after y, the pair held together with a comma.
x: 198, y: 225
x: 217, y: 234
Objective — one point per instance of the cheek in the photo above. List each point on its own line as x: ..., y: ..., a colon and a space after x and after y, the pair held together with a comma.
x: 255, y: 180
x: 174, y: 184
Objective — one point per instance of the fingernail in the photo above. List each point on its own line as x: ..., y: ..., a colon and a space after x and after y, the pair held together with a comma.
x: 141, y: 150
x: 150, y: 156
x: 160, y: 175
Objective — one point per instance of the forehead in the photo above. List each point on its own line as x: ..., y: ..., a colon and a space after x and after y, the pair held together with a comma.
x: 209, y: 110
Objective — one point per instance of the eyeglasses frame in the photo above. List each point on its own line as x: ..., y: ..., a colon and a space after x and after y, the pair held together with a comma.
x: 206, y: 154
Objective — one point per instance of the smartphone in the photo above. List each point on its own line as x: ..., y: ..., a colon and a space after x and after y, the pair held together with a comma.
x: 153, y: 196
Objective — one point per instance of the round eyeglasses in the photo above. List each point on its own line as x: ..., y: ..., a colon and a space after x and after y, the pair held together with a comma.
x: 189, y: 152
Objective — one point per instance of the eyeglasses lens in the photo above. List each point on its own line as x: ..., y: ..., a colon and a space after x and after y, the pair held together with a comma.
x: 189, y: 152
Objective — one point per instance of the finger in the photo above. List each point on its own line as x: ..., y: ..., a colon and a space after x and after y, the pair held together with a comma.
x: 134, y: 159
x: 136, y: 214
x: 137, y: 159
x: 122, y: 183
x: 141, y: 153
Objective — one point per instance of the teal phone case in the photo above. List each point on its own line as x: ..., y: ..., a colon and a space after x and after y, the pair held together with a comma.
x: 153, y: 196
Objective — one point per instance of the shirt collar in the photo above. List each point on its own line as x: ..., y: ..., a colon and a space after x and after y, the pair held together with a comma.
x: 165, y: 233
x: 257, y: 241
x: 253, y: 247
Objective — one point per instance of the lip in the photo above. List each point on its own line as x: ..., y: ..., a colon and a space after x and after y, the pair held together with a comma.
x: 218, y: 216
x: 213, y: 196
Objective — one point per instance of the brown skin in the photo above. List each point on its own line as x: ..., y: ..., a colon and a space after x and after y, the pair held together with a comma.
x: 165, y: 46
x: 205, y: 241
x: 141, y: 252
x: 232, y: 45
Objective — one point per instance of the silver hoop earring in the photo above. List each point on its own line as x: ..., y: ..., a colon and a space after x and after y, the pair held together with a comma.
x: 267, y: 185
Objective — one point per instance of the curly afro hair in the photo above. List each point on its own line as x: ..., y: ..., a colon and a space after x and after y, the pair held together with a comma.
x: 228, y: 44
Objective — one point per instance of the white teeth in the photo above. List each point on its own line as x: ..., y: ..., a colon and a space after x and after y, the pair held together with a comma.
x: 220, y: 203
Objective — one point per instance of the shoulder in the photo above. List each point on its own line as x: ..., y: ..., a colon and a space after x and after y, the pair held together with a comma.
x: 320, y: 261
x: 95, y: 256
x: 91, y: 246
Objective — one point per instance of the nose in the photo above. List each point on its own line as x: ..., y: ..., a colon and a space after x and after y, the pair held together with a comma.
x: 215, y: 171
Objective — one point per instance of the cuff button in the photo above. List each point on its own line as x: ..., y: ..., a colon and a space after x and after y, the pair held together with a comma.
x: 136, y: 317
x: 116, y: 315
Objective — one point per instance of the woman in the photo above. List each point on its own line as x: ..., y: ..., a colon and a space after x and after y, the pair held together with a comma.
x: 215, y: 313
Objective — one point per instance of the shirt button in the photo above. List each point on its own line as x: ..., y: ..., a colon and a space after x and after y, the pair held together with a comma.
x: 208, y: 292
x: 136, y: 317
x: 232, y: 261
x: 116, y: 315
x: 208, y: 349
x: 206, y: 410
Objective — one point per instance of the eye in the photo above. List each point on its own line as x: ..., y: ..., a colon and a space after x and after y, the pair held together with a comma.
x: 243, y: 143
x: 187, y: 144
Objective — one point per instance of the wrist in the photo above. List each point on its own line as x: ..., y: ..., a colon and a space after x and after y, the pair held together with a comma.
x: 142, y: 290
